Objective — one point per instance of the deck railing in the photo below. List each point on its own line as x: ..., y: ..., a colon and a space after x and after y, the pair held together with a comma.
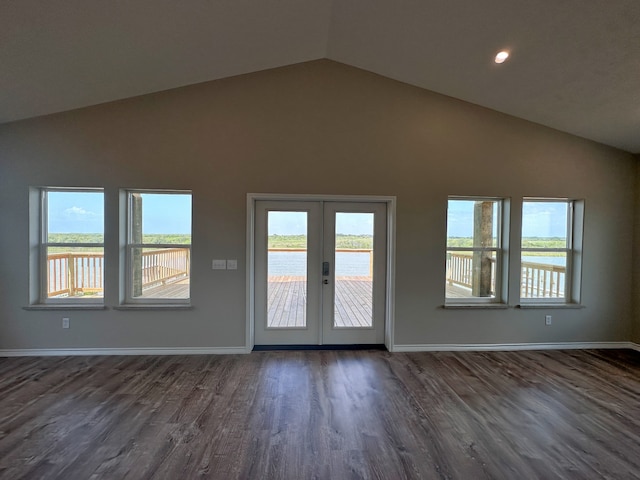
x: 73, y: 273
x: 538, y: 280
x: 164, y: 265
x: 338, y: 250
x: 542, y: 280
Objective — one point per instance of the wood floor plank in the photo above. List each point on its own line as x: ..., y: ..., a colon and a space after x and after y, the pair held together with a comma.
x: 323, y: 414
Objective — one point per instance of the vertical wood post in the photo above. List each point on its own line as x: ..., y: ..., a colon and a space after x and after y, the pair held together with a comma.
x: 71, y: 271
x: 482, y: 237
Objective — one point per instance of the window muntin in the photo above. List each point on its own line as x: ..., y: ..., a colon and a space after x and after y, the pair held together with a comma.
x: 547, y: 250
x: 71, y: 245
x: 474, y: 250
x: 158, y: 249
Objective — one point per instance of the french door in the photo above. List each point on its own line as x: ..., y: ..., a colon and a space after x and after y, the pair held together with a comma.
x: 320, y: 272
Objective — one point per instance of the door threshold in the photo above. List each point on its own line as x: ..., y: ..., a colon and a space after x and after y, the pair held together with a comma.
x: 268, y: 348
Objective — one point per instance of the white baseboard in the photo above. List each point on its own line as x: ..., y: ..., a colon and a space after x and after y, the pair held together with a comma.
x: 441, y: 347
x: 438, y: 347
x: 52, y: 352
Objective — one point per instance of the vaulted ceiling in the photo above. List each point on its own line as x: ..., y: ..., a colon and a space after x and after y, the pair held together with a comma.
x: 574, y: 64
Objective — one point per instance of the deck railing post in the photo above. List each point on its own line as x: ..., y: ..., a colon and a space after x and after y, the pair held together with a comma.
x: 71, y: 274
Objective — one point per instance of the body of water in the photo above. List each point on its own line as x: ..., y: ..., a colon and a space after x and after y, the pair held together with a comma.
x: 351, y: 264
x: 548, y: 260
x: 295, y: 264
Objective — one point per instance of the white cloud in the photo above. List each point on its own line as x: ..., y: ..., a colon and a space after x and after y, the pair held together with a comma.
x: 79, y: 213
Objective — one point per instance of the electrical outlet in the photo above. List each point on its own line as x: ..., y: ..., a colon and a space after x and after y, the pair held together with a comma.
x: 547, y: 319
x: 65, y: 322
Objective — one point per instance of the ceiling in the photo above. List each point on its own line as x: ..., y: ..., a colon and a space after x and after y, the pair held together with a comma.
x: 574, y: 65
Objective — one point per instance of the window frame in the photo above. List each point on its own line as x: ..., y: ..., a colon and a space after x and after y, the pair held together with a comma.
x: 573, y: 252
x: 127, y: 284
x: 501, y: 249
x: 40, y: 295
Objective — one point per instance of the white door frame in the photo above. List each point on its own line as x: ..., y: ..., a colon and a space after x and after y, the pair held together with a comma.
x: 252, y: 198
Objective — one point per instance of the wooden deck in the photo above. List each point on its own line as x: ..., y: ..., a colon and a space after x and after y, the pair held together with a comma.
x: 179, y: 289
x: 457, y: 291
x: 287, y: 302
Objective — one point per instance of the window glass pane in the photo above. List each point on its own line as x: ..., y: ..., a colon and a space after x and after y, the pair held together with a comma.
x: 287, y: 269
x: 471, y: 274
x: 543, y: 275
x: 354, y: 270
x: 159, y: 218
x: 472, y: 223
x: 75, y: 272
x: 160, y: 272
x: 544, y: 224
x: 75, y: 217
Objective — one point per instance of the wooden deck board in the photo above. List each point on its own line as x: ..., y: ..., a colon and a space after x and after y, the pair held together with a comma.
x: 287, y: 301
x: 179, y: 289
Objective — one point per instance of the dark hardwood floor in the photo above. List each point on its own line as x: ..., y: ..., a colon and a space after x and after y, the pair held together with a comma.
x: 323, y: 414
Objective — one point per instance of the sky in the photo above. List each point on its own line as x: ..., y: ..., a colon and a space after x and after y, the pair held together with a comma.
x: 539, y: 219
x: 295, y: 223
x: 83, y: 212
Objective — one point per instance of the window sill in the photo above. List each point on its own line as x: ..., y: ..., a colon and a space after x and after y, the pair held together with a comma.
x: 479, y: 306
x: 47, y: 306
x: 165, y: 306
x: 547, y: 306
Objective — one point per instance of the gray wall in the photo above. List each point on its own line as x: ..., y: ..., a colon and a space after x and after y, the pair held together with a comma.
x: 318, y: 127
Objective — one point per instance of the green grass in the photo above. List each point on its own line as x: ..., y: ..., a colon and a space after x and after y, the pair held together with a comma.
x: 155, y: 239
x: 300, y: 241
x: 527, y: 242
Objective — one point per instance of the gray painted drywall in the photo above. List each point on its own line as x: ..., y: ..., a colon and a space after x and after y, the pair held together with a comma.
x: 635, y: 333
x: 318, y: 127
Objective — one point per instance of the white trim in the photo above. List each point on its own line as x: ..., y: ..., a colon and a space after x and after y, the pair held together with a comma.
x: 250, y: 266
x: 252, y: 198
x: 391, y: 275
x: 53, y: 352
x: 452, y: 347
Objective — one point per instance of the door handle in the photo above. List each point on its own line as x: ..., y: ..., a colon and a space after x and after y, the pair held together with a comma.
x: 325, y: 269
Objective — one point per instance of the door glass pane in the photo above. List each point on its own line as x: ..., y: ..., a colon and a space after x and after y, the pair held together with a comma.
x: 287, y: 269
x: 353, y: 301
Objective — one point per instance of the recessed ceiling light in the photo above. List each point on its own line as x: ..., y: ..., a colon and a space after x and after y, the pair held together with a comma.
x: 501, y: 56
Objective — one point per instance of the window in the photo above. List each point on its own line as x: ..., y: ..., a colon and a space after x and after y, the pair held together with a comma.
x: 70, y: 240
x: 476, y: 264
x: 551, y: 250
x: 158, y: 247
